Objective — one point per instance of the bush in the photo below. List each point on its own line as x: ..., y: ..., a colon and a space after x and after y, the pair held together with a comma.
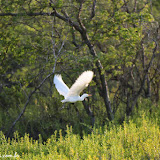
x: 131, y: 140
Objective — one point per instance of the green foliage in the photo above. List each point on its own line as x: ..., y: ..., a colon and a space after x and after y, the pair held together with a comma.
x: 132, y: 140
x: 116, y: 32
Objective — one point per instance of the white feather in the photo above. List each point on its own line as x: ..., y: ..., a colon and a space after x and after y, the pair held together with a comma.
x: 80, y: 84
x: 61, y: 87
x: 72, y: 94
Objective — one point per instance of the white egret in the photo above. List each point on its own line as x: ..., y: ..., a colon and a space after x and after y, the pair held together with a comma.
x: 73, y: 94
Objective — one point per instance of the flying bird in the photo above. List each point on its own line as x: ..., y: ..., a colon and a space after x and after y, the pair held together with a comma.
x: 73, y: 94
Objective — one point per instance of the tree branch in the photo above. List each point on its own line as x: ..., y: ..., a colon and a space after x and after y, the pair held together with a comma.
x: 54, y: 13
x: 93, y: 9
x: 79, y: 19
x: 27, y: 102
x: 82, y: 30
x: 144, y: 79
x: 36, y: 88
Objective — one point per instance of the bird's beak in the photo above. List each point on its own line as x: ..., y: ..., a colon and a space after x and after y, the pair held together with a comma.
x: 89, y: 95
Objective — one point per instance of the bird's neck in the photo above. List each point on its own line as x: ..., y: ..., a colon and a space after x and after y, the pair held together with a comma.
x: 82, y: 97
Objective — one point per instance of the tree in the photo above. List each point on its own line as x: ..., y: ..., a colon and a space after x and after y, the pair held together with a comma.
x: 118, y: 40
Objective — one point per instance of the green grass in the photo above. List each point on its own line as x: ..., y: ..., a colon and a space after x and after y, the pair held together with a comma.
x: 132, y: 140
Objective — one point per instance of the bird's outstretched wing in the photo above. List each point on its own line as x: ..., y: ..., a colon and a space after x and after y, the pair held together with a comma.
x: 82, y: 82
x: 61, y: 87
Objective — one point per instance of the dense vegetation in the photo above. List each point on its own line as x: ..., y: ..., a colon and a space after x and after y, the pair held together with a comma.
x: 133, y: 140
x: 118, y: 40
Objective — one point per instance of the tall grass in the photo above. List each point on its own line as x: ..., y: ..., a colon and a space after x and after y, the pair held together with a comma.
x: 132, y: 140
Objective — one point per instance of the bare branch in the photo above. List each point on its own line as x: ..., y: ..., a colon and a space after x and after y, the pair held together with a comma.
x: 78, y: 17
x: 27, y: 102
x: 144, y: 78
x: 82, y: 30
x: 36, y: 88
x: 135, y: 6
x: 66, y: 19
x: 93, y: 9
x: 54, y: 13
x: 25, y: 14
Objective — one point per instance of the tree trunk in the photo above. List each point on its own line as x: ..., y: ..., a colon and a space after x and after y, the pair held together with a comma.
x: 105, y: 92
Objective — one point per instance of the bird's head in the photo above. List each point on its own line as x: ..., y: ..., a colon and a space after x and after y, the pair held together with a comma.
x: 85, y: 95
